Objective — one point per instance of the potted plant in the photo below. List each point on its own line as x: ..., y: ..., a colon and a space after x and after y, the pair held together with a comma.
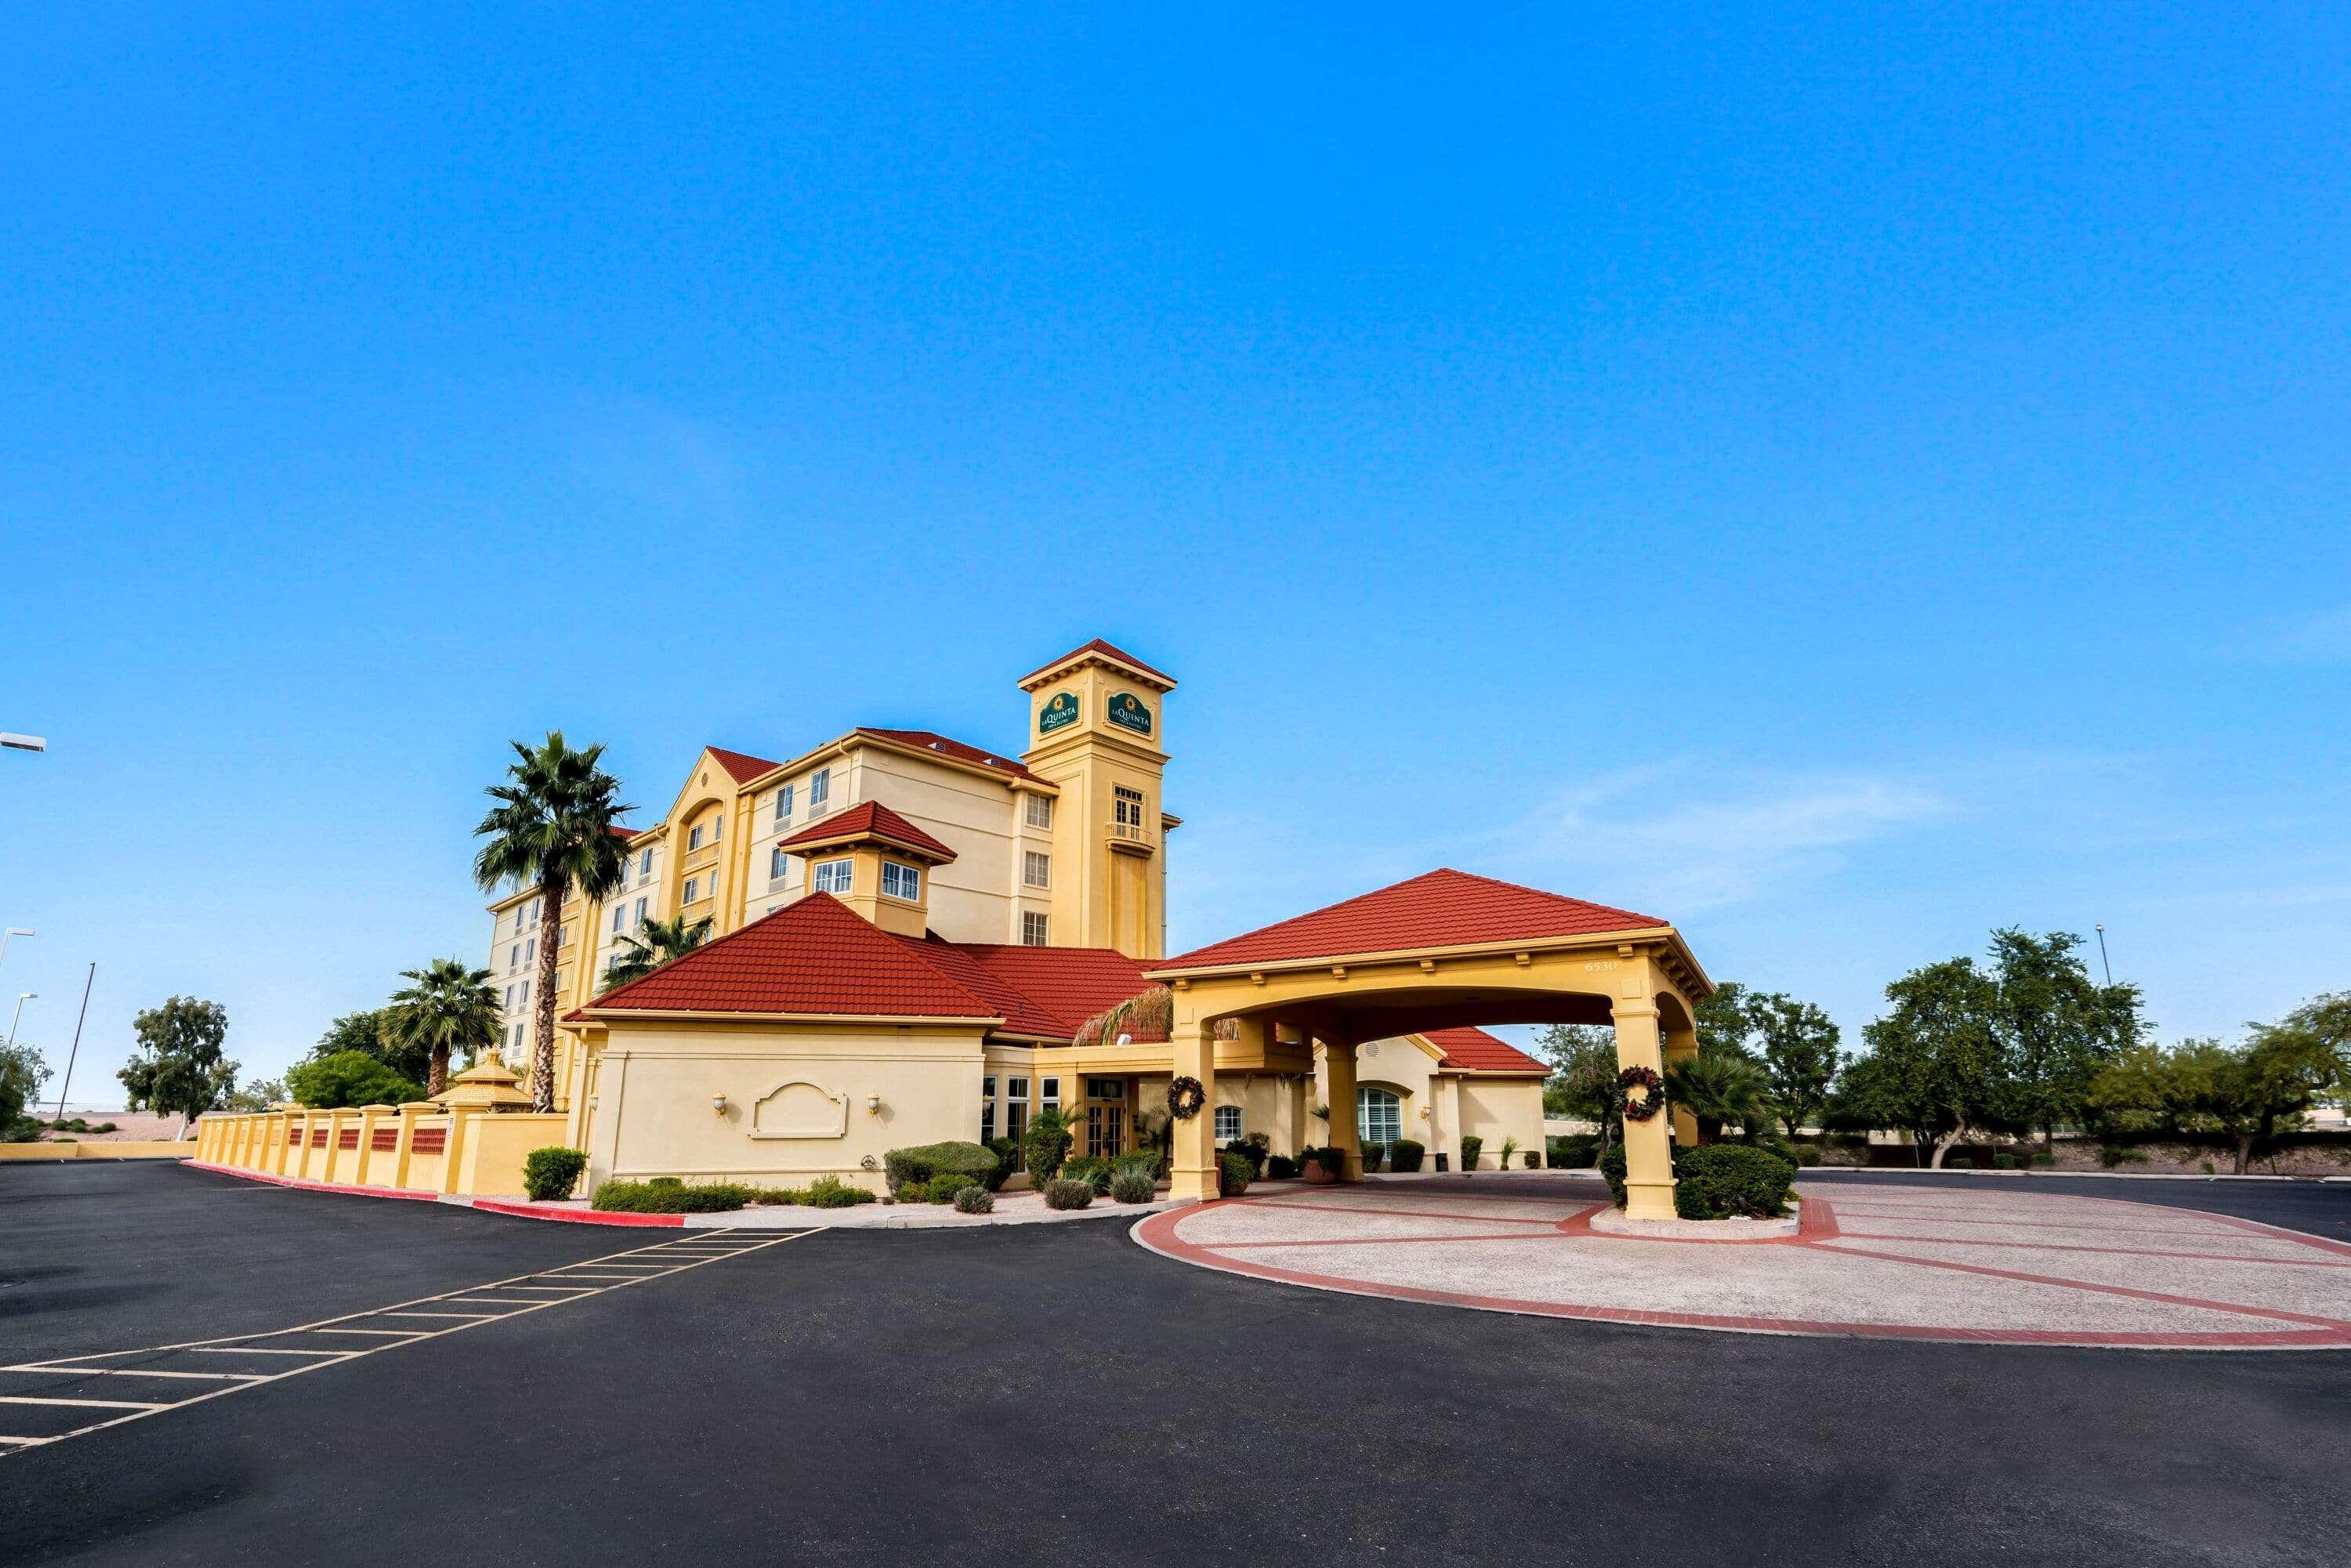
x: 1322, y: 1166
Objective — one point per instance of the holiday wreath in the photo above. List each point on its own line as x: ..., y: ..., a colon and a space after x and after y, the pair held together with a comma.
x: 1185, y: 1098
x: 1653, y: 1090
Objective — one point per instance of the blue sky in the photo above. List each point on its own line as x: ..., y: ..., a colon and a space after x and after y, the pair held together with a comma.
x: 1841, y: 482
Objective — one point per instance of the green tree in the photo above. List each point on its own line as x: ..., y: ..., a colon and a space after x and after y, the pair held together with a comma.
x: 1718, y: 1087
x: 258, y: 1095
x: 655, y: 944
x: 349, y: 1078
x: 2057, y: 1027
x: 363, y: 1032
x: 446, y: 1006
x: 1934, y: 1064
x: 2249, y: 1092
x: 1723, y: 1021
x: 551, y: 829
x: 1798, y: 1043
x: 22, y: 1073
x: 1582, y: 1082
x: 178, y: 1067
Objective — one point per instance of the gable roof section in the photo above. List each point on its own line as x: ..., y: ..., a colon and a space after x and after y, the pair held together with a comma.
x: 932, y: 740
x: 816, y: 956
x: 1442, y: 908
x: 740, y: 765
x: 1475, y: 1051
x: 870, y: 819
x: 1098, y: 649
x: 1065, y: 986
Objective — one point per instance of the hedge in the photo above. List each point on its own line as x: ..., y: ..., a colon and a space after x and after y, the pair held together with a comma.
x: 1406, y: 1155
x: 668, y: 1194
x: 1045, y: 1146
x: 1255, y: 1148
x: 1233, y: 1175
x: 923, y: 1161
x: 1093, y: 1170
x: 1008, y: 1160
x: 1470, y: 1144
x: 943, y: 1187
x: 1727, y: 1180
x: 1575, y: 1152
x: 1371, y: 1153
x: 550, y: 1173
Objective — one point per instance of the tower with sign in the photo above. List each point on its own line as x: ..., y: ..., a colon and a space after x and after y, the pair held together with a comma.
x: 1097, y: 733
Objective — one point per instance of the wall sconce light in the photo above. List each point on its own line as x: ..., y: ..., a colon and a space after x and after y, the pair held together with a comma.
x: 873, y: 1104
x: 591, y: 1102
x: 718, y: 1103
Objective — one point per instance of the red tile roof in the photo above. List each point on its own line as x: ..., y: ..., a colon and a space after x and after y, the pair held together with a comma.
x: 817, y: 955
x: 1067, y: 985
x: 1442, y: 908
x: 1477, y: 1051
x: 870, y: 819
x: 619, y: 831
x: 1106, y: 650
x: 742, y: 765
x: 931, y: 740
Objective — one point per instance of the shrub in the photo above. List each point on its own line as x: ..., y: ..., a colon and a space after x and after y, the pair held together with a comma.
x: 1471, y: 1143
x: 1233, y: 1175
x: 1008, y: 1160
x: 1068, y: 1194
x: 1575, y: 1152
x: 1144, y: 1163
x: 1502, y: 1160
x: 2044, y: 1159
x: 1092, y: 1170
x: 1280, y: 1167
x: 2114, y: 1155
x: 1958, y: 1163
x: 832, y: 1192
x: 1330, y: 1157
x: 551, y: 1173
x: 1406, y: 1155
x: 2004, y: 1162
x: 1806, y: 1156
x: 1611, y: 1171
x: 913, y: 1191
x: 973, y: 1198
x: 670, y: 1196
x: 1780, y: 1151
x: 923, y: 1161
x: 1725, y: 1180
x: 1256, y: 1149
x: 1045, y: 1146
x: 943, y: 1187
x: 1371, y: 1153
x: 1131, y: 1187
x: 1533, y: 1160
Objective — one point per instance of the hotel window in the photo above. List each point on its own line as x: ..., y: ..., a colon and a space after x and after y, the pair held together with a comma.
x: 1040, y: 812
x: 509, y: 998
x: 986, y: 1109
x: 1034, y: 929
x: 779, y: 865
x: 1016, y: 1108
x: 718, y: 827
x: 694, y: 836
x: 693, y: 890
x: 1379, y: 1115
x: 517, y: 1037
x: 900, y: 881
x: 831, y: 876
x: 620, y: 918
x: 1127, y: 806
x: 1049, y: 1092
x: 526, y: 993
x: 784, y: 804
x: 530, y: 951
x: 819, y: 790
x: 644, y: 865
x: 1036, y: 870
x: 1229, y: 1123
x: 513, y: 957
x: 641, y: 913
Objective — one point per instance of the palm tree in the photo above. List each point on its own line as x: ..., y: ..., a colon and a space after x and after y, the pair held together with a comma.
x: 552, y: 830
x: 449, y: 1007
x: 1716, y: 1088
x: 656, y: 942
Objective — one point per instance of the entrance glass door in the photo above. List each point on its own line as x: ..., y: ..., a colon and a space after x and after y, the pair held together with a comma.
x: 1106, y: 1117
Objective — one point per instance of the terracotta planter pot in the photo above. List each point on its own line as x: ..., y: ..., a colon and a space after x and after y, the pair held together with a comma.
x: 1315, y: 1176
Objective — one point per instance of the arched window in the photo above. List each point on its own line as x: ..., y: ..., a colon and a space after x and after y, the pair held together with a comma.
x: 1379, y: 1115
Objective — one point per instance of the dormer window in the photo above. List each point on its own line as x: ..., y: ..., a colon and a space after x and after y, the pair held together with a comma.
x: 831, y: 876
x: 901, y: 881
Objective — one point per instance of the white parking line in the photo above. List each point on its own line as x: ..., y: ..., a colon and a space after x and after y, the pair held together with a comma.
x: 616, y: 1271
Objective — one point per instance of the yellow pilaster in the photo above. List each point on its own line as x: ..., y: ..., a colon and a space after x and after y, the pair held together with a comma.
x: 1338, y: 1075
x: 406, y: 1148
x: 1648, y: 1146
x: 1194, y: 1176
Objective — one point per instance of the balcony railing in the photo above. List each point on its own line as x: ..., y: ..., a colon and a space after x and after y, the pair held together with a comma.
x: 1130, y: 833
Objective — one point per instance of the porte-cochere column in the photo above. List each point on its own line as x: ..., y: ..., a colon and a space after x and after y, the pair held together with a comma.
x: 1192, y: 1176
x: 1648, y: 1146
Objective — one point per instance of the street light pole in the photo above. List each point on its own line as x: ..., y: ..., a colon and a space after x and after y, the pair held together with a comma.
x: 2102, y: 956
x: 22, y: 998
x: 12, y: 931
x: 76, y: 1043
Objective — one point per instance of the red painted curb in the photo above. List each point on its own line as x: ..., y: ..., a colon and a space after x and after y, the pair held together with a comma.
x: 274, y: 1180
x: 576, y: 1216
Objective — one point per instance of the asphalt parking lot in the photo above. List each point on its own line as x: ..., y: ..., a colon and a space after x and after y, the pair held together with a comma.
x: 1057, y: 1395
